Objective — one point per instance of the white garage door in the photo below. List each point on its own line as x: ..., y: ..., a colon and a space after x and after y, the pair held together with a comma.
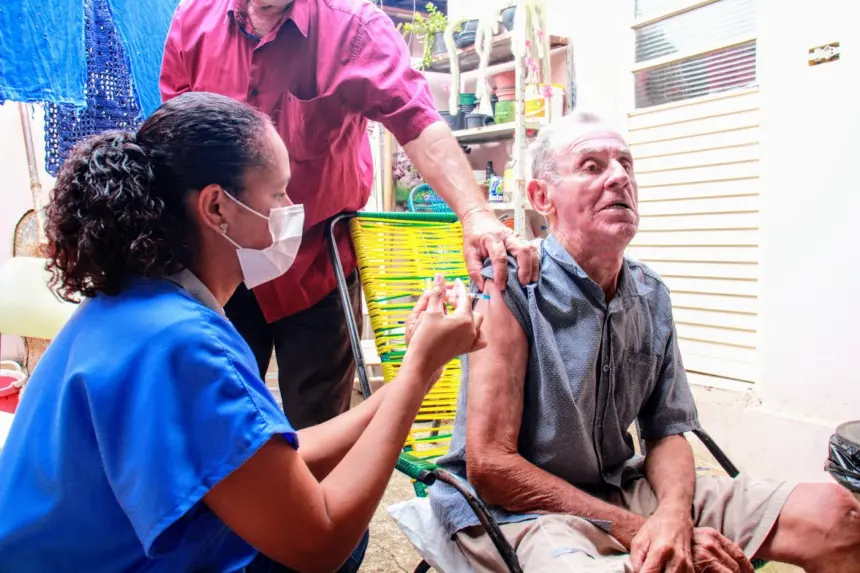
x: 695, y: 140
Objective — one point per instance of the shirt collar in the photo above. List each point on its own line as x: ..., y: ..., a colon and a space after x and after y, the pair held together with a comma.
x: 299, y: 13
x: 195, y: 287
x: 628, y: 286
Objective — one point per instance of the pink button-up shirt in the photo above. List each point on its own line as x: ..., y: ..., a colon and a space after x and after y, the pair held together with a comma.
x: 328, y: 68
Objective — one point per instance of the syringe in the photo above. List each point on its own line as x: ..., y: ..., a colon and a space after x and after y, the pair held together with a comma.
x: 475, y: 296
x: 478, y: 296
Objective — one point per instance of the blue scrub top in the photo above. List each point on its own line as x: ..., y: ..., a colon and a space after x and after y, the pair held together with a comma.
x: 142, y: 403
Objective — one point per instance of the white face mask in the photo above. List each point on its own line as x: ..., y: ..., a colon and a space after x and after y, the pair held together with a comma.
x: 263, y: 265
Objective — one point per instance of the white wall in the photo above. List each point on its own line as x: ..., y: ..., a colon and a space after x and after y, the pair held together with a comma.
x: 601, y: 37
x: 15, y: 197
x: 810, y: 206
x: 811, y: 124
x: 810, y: 121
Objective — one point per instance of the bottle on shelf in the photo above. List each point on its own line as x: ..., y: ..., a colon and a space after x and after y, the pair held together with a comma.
x: 508, y: 185
x: 495, y: 184
x: 490, y: 172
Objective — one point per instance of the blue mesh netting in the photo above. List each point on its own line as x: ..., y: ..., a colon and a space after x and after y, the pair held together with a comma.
x: 110, y: 92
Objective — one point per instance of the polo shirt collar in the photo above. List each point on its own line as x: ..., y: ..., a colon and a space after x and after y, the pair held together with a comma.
x: 299, y: 13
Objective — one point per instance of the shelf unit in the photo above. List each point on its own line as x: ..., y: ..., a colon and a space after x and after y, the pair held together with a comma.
x: 491, y: 133
x: 501, y: 59
x: 499, y: 54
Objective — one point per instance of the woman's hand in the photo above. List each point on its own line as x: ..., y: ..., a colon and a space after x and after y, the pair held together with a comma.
x: 435, y: 337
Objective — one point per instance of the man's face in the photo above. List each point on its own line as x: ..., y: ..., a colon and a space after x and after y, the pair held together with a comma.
x: 594, y: 199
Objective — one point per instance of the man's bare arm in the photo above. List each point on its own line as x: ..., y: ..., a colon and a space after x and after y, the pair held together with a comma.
x: 664, y: 542
x: 495, y: 406
x: 671, y: 472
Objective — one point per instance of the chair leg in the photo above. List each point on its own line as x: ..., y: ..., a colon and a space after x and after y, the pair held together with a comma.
x: 343, y: 290
x: 509, y: 556
x: 423, y: 567
x: 718, y: 453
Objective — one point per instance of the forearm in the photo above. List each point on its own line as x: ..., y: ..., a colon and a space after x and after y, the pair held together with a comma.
x: 521, y: 487
x: 323, y: 446
x: 671, y: 472
x: 353, y: 489
x: 443, y: 165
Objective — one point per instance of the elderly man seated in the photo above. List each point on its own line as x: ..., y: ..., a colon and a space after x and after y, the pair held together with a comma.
x: 571, y: 362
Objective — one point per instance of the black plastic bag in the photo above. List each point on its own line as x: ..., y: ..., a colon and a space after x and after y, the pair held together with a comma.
x: 844, y: 460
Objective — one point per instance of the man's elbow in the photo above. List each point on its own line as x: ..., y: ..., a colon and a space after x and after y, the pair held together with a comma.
x: 488, y: 474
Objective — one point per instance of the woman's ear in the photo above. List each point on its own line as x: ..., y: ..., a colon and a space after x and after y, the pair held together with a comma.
x: 209, y: 207
x: 539, y: 197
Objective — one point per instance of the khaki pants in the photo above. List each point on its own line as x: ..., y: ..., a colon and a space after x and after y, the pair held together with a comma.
x: 742, y: 509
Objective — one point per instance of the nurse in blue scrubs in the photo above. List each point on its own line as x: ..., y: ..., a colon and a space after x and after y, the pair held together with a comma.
x: 146, y: 440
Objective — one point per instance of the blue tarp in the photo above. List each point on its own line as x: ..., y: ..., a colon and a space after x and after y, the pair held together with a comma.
x: 142, y: 27
x: 43, y: 51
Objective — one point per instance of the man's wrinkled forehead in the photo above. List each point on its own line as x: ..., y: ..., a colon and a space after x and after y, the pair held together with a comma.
x: 596, y: 139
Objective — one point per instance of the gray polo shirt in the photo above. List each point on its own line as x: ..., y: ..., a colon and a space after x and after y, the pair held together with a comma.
x: 593, y: 369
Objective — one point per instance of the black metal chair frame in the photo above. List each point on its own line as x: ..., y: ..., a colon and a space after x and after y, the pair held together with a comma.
x: 429, y: 476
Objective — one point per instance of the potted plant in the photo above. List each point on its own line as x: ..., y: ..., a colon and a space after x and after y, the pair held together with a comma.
x: 466, y: 36
x: 508, y: 13
x: 429, y: 30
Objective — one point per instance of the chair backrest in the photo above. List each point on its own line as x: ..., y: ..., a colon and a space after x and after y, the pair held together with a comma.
x: 397, y: 253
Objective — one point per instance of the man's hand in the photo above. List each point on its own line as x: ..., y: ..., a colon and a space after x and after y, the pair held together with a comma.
x: 713, y: 553
x: 484, y: 236
x: 663, y: 545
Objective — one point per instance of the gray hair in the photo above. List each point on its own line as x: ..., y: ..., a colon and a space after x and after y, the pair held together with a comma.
x: 544, y: 151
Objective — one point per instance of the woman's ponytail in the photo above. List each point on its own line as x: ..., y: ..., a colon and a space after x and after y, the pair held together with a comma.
x: 103, y: 221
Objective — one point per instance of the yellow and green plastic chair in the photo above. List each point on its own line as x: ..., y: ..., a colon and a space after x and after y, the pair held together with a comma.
x: 397, y: 253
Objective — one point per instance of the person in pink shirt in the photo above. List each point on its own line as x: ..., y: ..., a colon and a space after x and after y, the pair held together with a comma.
x: 321, y: 69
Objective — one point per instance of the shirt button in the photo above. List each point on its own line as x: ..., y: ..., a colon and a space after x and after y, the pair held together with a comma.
x: 254, y: 92
x: 606, y: 367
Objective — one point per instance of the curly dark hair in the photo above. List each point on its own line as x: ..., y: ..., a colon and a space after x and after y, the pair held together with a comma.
x: 118, y: 209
